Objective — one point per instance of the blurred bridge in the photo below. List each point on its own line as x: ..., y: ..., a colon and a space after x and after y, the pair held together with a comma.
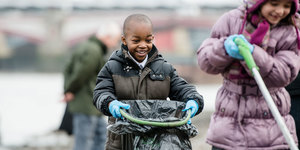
x: 36, y: 36
x: 71, y: 27
x: 56, y: 30
x: 70, y: 21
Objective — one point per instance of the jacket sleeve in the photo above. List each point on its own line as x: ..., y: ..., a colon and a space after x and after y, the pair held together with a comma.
x: 104, y: 91
x: 280, y: 69
x: 212, y: 57
x: 84, y: 64
x: 182, y: 91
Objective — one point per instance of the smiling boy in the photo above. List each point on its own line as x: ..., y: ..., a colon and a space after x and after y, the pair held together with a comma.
x: 139, y: 72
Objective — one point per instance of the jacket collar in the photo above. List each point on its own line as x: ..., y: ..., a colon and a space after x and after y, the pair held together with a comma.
x: 151, y: 55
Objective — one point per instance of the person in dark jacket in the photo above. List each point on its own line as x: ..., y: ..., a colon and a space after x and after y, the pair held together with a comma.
x: 139, y: 72
x: 294, y: 91
x: 89, y: 125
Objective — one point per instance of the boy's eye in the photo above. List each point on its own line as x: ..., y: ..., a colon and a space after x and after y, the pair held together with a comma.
x: 149, y: 41
x: 135, y: 41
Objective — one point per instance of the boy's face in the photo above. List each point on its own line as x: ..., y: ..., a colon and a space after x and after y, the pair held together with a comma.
x: 139, y: 40
x: 276, y: 10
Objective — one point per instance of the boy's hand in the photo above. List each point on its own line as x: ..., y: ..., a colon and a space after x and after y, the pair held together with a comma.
x: 114, y: 108
x: 193, y: 105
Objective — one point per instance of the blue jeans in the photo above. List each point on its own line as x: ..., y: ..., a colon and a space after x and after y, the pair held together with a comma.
x: 89, y: 132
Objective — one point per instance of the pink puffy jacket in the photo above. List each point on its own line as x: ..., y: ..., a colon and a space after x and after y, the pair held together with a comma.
x: 242, y: 119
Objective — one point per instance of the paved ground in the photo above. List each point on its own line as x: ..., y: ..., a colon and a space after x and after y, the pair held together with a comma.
x: 202, y: 123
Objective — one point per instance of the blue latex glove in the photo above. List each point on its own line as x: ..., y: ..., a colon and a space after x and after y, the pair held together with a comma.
x: 248, y: 45
x: 193, y: 105
x: 114, y: 108
x: 232, y: 48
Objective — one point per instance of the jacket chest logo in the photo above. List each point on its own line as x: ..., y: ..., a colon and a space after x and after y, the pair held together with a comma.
x: 127, y: 68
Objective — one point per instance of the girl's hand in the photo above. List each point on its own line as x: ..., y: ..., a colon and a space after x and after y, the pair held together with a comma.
x: 232, y: 48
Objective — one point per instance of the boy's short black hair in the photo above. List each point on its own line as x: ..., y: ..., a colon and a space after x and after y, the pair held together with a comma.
x: 137, y: 18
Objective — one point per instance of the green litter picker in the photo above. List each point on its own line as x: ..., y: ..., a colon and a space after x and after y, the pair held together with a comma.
x: 254, y: 69
x: 155, y: 123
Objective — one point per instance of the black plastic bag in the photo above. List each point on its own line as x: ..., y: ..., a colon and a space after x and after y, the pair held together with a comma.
x: 141, y: 137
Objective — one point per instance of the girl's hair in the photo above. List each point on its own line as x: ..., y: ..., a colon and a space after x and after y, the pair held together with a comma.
x: 288, y: 20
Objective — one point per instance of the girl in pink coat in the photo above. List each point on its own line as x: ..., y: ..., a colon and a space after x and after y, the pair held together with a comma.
x: 242, y: 119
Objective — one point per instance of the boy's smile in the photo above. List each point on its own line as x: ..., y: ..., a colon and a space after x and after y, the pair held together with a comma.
x: 138, y: 39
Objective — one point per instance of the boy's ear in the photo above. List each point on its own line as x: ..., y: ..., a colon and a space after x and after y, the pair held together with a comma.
x: 123, y: 40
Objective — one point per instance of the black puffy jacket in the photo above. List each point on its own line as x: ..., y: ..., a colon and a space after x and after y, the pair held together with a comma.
x: 122, y: 79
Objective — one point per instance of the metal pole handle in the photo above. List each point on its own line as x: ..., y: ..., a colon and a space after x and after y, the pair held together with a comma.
x: 252, y: 66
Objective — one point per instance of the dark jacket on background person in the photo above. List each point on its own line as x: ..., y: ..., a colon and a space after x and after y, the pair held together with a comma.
x: 122, y: 79
x: 80, y: 75
x: 294, y: 91
x: 294, y: 87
